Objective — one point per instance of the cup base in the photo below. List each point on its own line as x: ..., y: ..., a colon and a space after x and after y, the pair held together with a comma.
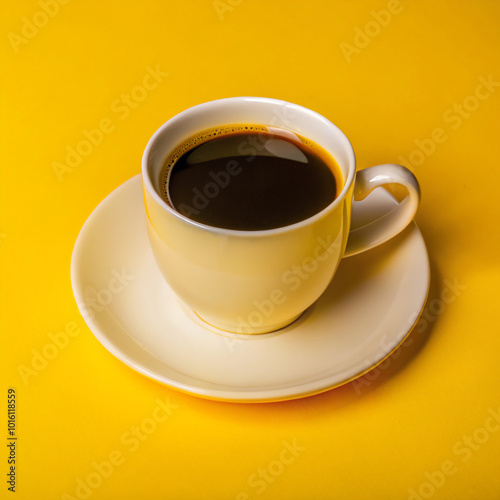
x: 244, y: 332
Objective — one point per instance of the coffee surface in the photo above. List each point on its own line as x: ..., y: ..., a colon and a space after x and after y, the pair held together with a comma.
x: 249, y: 178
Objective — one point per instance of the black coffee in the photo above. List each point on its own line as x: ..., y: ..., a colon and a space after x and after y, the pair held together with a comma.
x: 249, y: 177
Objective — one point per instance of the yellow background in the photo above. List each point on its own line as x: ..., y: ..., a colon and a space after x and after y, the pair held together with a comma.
x: 381, y: 437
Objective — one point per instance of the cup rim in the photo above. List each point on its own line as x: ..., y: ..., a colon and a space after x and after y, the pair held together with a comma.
x: 240, y: 232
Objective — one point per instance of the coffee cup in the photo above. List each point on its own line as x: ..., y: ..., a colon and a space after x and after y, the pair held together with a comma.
x: 259, y: 281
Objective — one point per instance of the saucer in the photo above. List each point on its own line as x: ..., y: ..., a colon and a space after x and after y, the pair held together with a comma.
x: 367, y: 311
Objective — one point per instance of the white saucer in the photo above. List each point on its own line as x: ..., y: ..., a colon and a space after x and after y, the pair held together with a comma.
x: 365, y: 314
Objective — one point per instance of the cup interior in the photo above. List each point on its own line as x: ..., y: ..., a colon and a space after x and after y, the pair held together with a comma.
x: 239, y: 110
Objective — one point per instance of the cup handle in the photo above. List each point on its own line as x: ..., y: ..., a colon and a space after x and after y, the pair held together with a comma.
x: 392, y: 223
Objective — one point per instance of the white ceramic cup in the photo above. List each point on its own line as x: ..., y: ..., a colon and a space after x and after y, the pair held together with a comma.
x: 260, y: 281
